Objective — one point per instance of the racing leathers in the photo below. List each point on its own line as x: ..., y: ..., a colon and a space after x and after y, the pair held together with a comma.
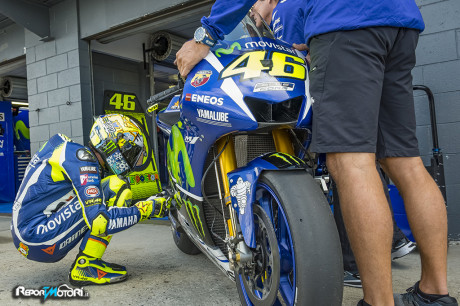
x: 61, y: 201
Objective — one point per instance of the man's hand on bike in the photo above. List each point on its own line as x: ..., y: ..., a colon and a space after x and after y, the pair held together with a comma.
x: 303, y: 47
x: 189, y: 55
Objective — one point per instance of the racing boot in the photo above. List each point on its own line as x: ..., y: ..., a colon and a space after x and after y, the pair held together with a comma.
x: 90, y: 269
x: 87, y: 270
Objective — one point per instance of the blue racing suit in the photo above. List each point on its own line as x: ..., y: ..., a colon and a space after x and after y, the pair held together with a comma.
x: 323, y: 16
x: 61, y: 200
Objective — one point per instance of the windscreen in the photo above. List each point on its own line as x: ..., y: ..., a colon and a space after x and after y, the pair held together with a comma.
x: 252, y: 25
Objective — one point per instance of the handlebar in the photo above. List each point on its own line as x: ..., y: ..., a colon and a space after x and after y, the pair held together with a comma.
x: 167, y: 93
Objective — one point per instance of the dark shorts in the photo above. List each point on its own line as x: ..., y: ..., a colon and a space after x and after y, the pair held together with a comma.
x: 361, y: 86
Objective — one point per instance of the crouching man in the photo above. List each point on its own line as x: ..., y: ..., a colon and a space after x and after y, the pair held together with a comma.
x: 62, y: 199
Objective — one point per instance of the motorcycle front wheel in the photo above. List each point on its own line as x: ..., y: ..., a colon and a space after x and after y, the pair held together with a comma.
x: 297, y: 259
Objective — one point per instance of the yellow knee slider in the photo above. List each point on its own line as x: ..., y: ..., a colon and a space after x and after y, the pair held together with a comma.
x: 99, y: 226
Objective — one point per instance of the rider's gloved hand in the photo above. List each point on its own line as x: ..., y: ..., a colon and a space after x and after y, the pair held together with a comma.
x: 161, y: 206
x: 145, y: 209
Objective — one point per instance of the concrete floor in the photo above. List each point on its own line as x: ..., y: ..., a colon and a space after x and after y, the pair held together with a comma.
x: 161, y: 275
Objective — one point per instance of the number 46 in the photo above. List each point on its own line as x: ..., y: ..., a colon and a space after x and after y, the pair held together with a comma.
x: 125, y: 102
x: 250, y: 65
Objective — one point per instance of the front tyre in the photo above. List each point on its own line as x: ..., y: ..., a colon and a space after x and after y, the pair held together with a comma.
x: 310, y: 258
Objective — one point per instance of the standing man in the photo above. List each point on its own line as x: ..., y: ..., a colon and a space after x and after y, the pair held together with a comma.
x: 362, y: 54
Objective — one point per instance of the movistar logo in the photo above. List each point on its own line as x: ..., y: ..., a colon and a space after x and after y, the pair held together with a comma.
x: 228, y: 50
x: 63, y: 215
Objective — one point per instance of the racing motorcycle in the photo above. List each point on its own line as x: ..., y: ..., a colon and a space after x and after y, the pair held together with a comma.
x: 240, y: 193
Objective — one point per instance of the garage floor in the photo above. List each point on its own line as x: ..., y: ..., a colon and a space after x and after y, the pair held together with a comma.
x: 161, y: 275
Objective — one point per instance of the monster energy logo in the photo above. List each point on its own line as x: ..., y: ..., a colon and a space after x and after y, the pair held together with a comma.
x: 292, y: 160
x: 194, y: 213
x: 110, y: 146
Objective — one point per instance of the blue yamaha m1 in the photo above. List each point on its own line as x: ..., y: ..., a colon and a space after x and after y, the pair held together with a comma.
x: 241, y: 196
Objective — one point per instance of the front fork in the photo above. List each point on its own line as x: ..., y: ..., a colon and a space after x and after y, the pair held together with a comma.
x: 238, y: 250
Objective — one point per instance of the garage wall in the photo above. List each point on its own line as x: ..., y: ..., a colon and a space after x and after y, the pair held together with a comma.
x: 58, y: 80
x: 438, y: 67
x: 114, y: 73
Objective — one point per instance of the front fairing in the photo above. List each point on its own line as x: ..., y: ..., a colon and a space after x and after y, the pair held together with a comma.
x: 220, y: 93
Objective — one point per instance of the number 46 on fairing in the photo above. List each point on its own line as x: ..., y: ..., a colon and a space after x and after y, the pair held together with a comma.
x: 277, y: 64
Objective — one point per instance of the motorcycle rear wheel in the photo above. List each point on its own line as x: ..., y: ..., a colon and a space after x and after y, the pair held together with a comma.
x: 183, y: 242
x: 310, y: 259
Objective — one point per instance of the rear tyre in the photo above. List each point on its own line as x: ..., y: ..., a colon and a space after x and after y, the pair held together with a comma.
x: 310, y: 258
x: 183, y: 242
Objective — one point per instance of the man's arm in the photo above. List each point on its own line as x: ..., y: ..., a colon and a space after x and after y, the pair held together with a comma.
x: 225, y: 16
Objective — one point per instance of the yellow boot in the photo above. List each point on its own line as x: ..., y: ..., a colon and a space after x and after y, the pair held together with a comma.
x: 90, y: 269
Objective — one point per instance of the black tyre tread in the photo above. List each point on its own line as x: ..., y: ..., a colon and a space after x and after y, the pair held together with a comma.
x: 185, y: 244
x: 314, y: 234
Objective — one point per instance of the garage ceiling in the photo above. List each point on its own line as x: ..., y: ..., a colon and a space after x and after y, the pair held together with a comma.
x: 5, y: 21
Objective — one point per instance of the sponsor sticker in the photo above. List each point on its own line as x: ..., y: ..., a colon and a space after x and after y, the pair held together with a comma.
x: 122, y: 222
x: 240, y: 191
x: 2, y: 116
x: 176, y: 105
x: 91, y: 202
x: 264, y: 44
x: 84, y: 154
x: 190, y: 139
x: 91, y: 191
x: 86, y: 178
x: 50, y: 250
x: 274, y: 86
x: 213, y: 117
x: 72, y: 238
x: 201, y: 78
x: 60, y: 218
x: 88, y: 169
x: 23, y: 249
x: 204, y: 99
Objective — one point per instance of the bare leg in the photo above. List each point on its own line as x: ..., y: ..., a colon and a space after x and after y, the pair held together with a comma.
x: 427, y: 218
x: 368, y: 221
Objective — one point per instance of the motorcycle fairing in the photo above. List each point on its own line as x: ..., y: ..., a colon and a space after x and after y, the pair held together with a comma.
x: 215, y: 105
x: 243, y: 183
